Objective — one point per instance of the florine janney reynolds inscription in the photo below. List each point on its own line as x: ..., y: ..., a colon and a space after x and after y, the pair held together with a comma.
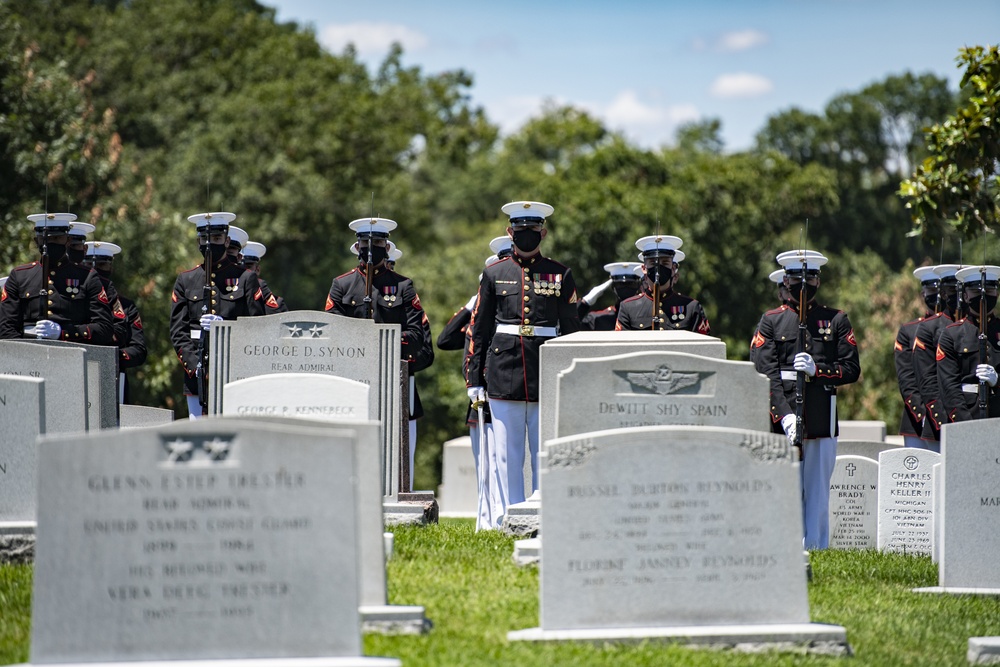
x: 202, y: 531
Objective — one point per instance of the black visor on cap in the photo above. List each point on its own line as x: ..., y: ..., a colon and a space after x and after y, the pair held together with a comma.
x: 658, y: 252
x: 251, y: 258
x: 797, y: 272
x: 52, y: 230
x: 214, y: 229
x: 534, y: 220
x: 949, y: 280
x: 624, y: 278
x: 373, y: 235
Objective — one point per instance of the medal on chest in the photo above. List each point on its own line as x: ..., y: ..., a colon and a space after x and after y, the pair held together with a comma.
x: 547, y: 284
x: 389, y: 293
x: 825, y: 328
x: 676, y: 313
x: 232, y: 284
x: 72, y: 286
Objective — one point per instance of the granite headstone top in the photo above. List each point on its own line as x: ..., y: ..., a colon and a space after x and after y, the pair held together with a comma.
x: 558, y: 354
x: 65, y: 368
x: 102, y: 382
x: 905, y: 500
x: 634, y: 517
x: 238, y: 537
x: 459, y: 490
x: 659, y: 388
x: 970, y: 523
x: 22, y: 415
x: 854, y: 503
x: 861, y: 429
x: 308, y: 341
x: 870, y: 449
x: 138, y: 416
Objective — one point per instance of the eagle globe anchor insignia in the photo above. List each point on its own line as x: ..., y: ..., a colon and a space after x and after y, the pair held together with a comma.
x: 663, y: 380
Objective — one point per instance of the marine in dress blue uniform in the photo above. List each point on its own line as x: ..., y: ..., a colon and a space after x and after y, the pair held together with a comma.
x: 524, y: 300
x: 229, y: 293
x: 960, y: 367
x: 131, y: 340
x: 68, y: 304
x: 251, y: 255
x: 672, y: 310
x: 913, y: 420
x: 625, y: 281
x: 830, y: 359
x: 924, y: 357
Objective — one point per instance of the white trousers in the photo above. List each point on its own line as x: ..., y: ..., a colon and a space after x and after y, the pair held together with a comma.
x: 413, y: 448
x: 511, y: 421
x: 194, y: 407
x: 816, y: 468
x: 489, y: 504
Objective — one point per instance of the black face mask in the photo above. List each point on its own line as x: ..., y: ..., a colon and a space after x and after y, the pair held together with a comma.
x: 950, y: 302
x: 661, y: 275
x: 991, y: 302
x: 930, y: 300
x: 75, y: 256
x: 56, y: 252
x: 527, y: 240
x: 378, y: 255
x: 810, y: 292
x: 103, y: 273
x: 218, y: 251
x: 625, y: 290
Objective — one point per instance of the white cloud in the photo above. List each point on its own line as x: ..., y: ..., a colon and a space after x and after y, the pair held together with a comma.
x: 371, y: 38
x: 741, y: 40
x: 740, y: 85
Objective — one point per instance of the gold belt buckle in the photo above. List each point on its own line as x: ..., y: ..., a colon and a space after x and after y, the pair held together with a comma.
x: 527, y: 329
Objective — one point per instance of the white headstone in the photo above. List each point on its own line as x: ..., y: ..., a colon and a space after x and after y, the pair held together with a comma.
x: 22, y: 415
x: 459, y: 490
x: 905, y: 500
x: 659, y: 388
x: 870, y: 449
x: 304, y: 395
x: 138, y: 416
x: 211, y: 539
x: 102, y: 382
x: 316, y: 342
x: 65, y: 368
x: 693, y: 532
x: 858, y: 429
x: 854, y: 503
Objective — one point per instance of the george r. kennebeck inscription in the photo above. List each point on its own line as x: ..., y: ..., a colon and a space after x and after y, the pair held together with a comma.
x: 671, y: 525
x: 236, y: 537
x: 659, y: 388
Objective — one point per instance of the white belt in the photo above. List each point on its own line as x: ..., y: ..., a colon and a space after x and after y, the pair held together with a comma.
x: 527, y: 330
x: 970, y: 388
x: 789, y: 375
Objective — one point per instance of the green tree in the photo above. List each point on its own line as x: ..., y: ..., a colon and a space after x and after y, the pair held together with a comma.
x: 957, y: 187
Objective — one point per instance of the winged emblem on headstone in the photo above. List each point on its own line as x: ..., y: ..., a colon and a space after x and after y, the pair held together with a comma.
x: 662, y: 380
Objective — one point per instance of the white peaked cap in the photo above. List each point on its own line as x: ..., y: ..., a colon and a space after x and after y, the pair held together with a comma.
x: 679, y: 256
x: 52, y: 219
x: 81, y: 228
x: 777, y: 276
x: 218, y: 218
x: 925, y: 274
x: 946, y: 270
x: 238, y: 235
x: 491, y: 260
x: 527, y: 209
x: 660, y: 242
x: 622, y: 268
x: 374, y: 226
x: 253, y: 250
x: 792, y: 260
x: 973, y: 274
x: 501, y: 243
x: 394, y: 254
x: 102, y: 249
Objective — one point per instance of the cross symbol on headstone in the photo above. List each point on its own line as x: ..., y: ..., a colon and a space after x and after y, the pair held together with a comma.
x: 850, y: 469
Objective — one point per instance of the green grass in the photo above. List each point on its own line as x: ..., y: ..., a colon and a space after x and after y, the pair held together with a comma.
x: 475, y: 594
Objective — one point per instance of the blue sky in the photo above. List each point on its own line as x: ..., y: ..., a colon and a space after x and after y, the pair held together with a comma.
x: 646, y: 67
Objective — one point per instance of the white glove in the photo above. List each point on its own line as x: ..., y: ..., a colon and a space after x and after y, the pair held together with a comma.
x: 595, y: 293
x: 788, y: 424
x: 47, y: 329
x: 207, y: 319
x: 804, y: 362
x: 472, y: 302
x: 987, y: 374
x: 477, y: 394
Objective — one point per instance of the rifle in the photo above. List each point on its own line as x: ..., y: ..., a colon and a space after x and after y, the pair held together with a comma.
x: 800, y: 347
x: 370, y: 267
x: 44, y: 293
x: 201, y: 372
x: 656, y: 299
x: 984, y: 390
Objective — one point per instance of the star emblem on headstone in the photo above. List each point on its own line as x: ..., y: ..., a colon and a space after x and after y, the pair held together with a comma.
x: 295, y: 330
x: 179, y: 450
x: 216, y: 448
x: 316, y: 331
x: 850, y: 469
